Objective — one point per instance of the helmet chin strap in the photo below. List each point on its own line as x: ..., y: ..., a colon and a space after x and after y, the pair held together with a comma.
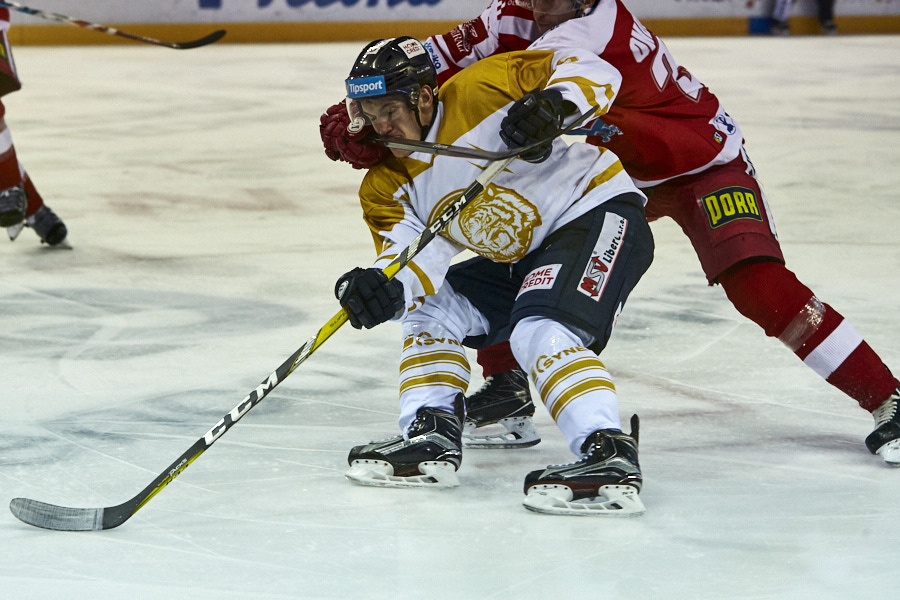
x: 423, y: 128
x: 414, y: 105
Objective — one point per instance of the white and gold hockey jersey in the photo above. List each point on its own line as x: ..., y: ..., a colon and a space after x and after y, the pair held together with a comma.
x: 523, y: 204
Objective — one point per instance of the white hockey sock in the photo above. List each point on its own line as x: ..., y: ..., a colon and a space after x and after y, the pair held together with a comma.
x: 434, y: 369
x: 573, y: 383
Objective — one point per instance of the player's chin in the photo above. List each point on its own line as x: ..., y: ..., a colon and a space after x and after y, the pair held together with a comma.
x: 400, y: 153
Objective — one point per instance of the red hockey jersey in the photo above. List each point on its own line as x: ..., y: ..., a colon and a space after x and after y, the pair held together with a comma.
x: 664, y: 122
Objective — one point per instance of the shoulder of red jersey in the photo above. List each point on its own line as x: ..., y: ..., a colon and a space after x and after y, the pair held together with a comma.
x: 502, y: 27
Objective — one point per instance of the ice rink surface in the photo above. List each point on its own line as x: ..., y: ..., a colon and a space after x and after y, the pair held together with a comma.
x: 209, y: 229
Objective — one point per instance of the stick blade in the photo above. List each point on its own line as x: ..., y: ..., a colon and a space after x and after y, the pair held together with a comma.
x: 212, y: 38
x: 59, y: 518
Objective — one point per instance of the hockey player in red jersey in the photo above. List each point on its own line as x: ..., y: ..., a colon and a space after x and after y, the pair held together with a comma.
x: 686, y: 153
x: 20, y: 203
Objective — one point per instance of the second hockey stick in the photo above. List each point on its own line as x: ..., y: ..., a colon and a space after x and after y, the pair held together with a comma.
x: 471, y: 152
x: 215, y: 36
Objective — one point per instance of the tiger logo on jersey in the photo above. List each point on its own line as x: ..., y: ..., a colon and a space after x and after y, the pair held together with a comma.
x: 498, y: 225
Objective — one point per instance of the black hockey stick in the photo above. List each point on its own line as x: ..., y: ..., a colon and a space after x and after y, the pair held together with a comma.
x: 471, y: 152
x: 204, y: 41
x: 62, y: 518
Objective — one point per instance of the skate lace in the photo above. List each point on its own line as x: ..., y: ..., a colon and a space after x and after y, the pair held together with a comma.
x: 415, y: 428
x: 587, y: 454
x: 887, y: 411
x: 483, y: 391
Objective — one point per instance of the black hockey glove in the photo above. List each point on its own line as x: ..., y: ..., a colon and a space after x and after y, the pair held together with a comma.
x: 369, y: 297
x: 534, y: 117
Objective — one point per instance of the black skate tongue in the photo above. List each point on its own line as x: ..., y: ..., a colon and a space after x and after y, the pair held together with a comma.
x: 635, y: 428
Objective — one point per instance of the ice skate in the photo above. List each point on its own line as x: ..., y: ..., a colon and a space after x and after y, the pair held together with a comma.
x: 429, y: 458
x: 605, y: 482
x: 499, y: 414
x: 779, y: 28
x: 13, y: 231
x: 49, y: 228
x: 13, y: 203
x: 885, y: 439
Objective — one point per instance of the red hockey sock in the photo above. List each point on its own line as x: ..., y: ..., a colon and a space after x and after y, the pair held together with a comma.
x: 497, y: 359
x: 9, y: 163
x: 35, y: 201
x: 863, y: 377
x: 9, y: 169
x: 771, y: 296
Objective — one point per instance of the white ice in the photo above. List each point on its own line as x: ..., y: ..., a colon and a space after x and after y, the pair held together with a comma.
x: 209, y: 229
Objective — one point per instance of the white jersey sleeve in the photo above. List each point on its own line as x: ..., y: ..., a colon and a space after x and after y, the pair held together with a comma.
x: 595, y: 87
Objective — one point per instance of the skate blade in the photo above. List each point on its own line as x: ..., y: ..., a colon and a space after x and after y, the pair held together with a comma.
x: 614, y: 501
x: 377, y: 473
x: 13, y: 231
x: 513, y: 432
x: 63, y: 245
x: 890, y: 453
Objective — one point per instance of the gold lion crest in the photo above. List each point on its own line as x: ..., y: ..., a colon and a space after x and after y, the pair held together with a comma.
x: 499, y: 224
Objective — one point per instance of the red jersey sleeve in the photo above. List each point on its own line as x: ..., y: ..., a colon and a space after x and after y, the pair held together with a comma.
x: 664, y: 122
x: 502, y: 27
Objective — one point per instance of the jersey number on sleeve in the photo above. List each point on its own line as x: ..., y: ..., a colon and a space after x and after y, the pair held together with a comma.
x: 663, y: 67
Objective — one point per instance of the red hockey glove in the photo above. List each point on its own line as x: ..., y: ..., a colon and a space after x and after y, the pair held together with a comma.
x: 342, y: 144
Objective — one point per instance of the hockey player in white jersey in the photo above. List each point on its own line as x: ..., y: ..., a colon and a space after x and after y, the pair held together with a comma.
x: 561, y: 240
